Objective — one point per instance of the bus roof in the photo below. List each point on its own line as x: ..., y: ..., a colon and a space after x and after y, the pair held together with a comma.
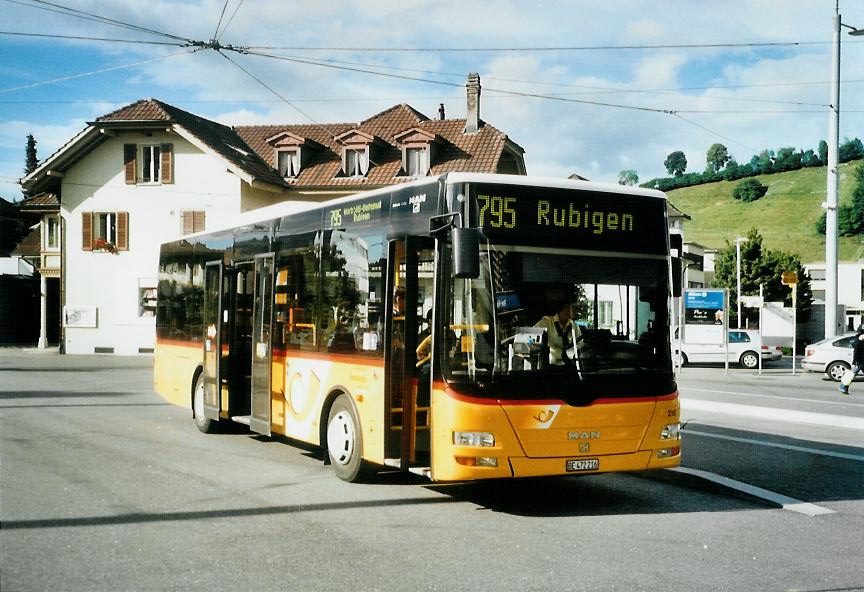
x: 287, y: 208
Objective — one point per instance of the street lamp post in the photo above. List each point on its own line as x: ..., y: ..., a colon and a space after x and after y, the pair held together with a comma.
x: 738, y: 242
x: 830, y: 204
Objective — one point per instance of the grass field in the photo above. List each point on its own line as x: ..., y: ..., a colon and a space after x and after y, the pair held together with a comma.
x: 786, y: 217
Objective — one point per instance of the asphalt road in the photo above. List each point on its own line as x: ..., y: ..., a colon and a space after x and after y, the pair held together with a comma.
x: 103, y: 486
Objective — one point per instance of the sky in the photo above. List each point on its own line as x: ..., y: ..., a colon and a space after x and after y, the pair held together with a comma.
x: 588, y: 87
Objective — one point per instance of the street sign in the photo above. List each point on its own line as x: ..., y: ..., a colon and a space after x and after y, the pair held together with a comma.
x: 789, y: 278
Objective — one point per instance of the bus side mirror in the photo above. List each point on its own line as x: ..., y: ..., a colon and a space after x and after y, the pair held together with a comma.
x: 466, y: 253
x: 676, y: 277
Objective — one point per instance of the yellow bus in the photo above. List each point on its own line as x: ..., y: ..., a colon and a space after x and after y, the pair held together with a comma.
x: 466, y: 326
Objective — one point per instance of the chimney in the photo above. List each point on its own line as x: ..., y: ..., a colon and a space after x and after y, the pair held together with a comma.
x: 441, y: 111
x: 472, y: 121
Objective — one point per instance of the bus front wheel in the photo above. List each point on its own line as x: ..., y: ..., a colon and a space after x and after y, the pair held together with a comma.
x: 204, y: 424
x: 344, y: 444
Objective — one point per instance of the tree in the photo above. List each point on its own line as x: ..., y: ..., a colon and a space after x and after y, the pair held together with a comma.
x: 850, y: 217
x: 717, y: 157
x: 823, y: 151
x: 749, y: 190
x: 760, y: 266
x: 763, y: 163
x: 676, y: 163
x: 850, y: 150
x: 628, y: 177
x: 31, y: 162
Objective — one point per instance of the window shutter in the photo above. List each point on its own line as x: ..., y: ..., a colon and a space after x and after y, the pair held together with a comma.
x: 198, y: 221
x: 167, y: 154
x: 129, y: 153
x: 87, y: 231
x: 122, y: 231
x: 188, y: 223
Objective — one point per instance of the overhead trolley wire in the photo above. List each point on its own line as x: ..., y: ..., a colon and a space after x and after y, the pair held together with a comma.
x: 286, y: 101
x: 82, y: 38
x: 221, y: 16
x: 454, y: 84
x: 100, y: 71
x: 60, y: 9
x: 228, y: 24
x: 542, y: 49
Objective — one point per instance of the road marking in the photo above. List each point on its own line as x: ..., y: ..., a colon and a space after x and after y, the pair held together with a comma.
x: 785, y: 502
x: 843, y: 403
x: 788, y: 415
x: 842, y: 455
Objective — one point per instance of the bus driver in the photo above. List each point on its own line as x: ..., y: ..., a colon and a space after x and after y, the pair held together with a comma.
x: 562, y: 333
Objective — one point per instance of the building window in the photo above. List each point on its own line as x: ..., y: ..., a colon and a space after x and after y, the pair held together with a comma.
x: 193, y: 221
x: 356, y: 162
x: 817, y: 274
x: 146, y: 298
x: 289, y: 163
x: 148, y: 164
x: 416, y: 162
x: 605, y: 317
x: 105, y: 231
x: 150, y: 161
x: 52, y: 233
x: 105, y: 227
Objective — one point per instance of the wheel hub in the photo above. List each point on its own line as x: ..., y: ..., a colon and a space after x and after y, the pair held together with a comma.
x: 340, y: 438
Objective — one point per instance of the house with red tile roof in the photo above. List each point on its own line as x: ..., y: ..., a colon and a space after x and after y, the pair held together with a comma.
x: 150, y: 172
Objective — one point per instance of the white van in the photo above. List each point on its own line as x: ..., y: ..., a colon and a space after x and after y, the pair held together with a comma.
x: 743, y: 350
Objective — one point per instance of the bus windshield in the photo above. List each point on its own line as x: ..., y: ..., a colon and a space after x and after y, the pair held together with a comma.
x: 592, y: 320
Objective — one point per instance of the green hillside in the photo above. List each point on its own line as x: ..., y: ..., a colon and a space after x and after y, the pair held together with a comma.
x: 786, y: 217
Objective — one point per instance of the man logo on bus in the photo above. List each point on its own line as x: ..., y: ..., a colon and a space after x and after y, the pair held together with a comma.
x: 592, y: 435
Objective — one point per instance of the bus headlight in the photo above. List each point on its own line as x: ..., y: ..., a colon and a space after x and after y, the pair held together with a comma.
x: 473, y: 439
x: 671, y: 432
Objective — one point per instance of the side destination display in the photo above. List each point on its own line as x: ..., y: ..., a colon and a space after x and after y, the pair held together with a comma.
x: 542, y: 216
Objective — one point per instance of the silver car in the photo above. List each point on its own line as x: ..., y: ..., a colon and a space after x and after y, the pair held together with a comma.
x: 833, y: 356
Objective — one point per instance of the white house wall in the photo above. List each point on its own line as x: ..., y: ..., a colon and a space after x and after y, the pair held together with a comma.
x: 111, y: 281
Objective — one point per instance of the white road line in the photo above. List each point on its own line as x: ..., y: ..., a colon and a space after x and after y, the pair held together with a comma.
x: 787, y: 415
x: 842, y: 455
x: 785, y: 502
x: 847, y: 403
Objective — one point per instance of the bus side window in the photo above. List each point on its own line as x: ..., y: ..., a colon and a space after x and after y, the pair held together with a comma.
x: 295, y: 292
x: 350, y: 316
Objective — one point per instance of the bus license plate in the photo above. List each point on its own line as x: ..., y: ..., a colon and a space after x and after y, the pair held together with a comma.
x: 585, y: 464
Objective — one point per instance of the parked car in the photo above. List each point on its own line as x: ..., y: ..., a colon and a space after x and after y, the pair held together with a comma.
x: 743, y: 347
x: 833, y: 356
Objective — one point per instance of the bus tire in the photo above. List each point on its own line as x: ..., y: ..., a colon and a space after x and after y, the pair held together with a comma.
x: 204, y: 424
x: 344, y: 442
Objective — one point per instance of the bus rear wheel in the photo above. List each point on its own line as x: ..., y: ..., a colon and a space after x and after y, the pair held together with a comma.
x: 344, y: 444
x: 204, y: 424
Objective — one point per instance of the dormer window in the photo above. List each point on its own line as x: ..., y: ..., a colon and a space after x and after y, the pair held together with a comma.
x: 289, y: 162
x: 356, y: 162
x: 418, y: 151
x: 358, y: 152
x: 291, y: 153
x: 416, y: 162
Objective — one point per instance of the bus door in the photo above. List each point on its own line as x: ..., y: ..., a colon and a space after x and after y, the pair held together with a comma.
x: 262, y: 356
x: 217, y: 329
x: 410, y: 295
